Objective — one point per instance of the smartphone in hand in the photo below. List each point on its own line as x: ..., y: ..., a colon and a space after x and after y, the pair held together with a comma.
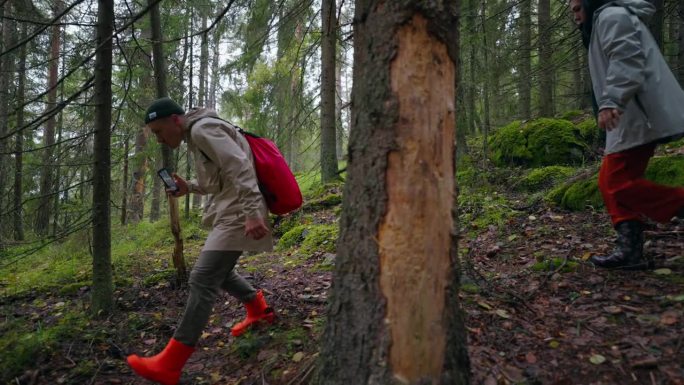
x: 168, y: 180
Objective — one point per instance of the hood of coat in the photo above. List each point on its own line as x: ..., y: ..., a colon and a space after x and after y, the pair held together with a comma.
x: 195, y: 114
x: 641, y: 8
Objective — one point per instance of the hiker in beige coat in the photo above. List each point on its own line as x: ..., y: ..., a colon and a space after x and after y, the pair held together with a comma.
x: 237, y: 215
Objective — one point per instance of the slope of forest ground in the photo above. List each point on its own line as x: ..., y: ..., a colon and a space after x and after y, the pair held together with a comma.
x: 537, y: 312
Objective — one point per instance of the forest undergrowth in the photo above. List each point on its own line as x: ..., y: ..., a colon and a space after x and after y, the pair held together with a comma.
x: 536, y: 311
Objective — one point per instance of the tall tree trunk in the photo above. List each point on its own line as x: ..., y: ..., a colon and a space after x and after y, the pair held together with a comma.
x: 524, y: 52
x: 486, y: 126
x: 160, y: 78
x: 102, y: 298
x: 546, y: 107
x: 136, y: 205
x: 215, y: 75
x: 328, y: 45
x: 394, y: 312
x: 339, y: 126
x: 204, y: 66
x: 6, y: 72
x: 124, y: 183
x: 47, y: 182
x: 19, y: 141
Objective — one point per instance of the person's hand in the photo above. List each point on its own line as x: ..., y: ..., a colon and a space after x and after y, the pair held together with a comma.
x: 609, y: 118
x: 255, y: 228
x: 182, y: 187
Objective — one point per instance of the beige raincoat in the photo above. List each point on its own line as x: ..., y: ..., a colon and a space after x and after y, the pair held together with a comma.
x: 225, y: 169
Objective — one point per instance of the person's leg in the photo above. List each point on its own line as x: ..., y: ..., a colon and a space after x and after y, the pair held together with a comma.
x: 238, y: 287
x: 206, y: 278
x: 632, y: 194
x: 618, y: 172
x: 257, y: 309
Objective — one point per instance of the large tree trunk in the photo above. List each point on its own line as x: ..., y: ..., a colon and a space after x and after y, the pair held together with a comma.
x: 102, y: 299
x: 47, y: 182
x: 215, y: 76
x: 546, y: 107
x: 204, y: 65
x: 6, y: 73
x: 136, y: 205
x: 394, y: 315
x: 657, y: 21
x: 486, y: 125
x: 19, y: 141
x: 525, y: 66
x: 160, y: 78
x: 328, y: 44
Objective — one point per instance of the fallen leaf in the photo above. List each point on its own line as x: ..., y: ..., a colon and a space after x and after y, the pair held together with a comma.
x: 502, y: 313
x: 586, y: 256
x: 597, y: 359
x: 554, y: 344
x: 645, y: 363
x: 298, y: 357
x: 669, y: 318
x: 613, y: 309
x: 663, y: 271
x: 485, y: 305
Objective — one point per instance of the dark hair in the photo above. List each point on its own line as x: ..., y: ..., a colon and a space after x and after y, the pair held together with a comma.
x: 590, y: 7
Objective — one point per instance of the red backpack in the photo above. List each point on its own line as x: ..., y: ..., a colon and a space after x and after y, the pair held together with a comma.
x: 276, y: 182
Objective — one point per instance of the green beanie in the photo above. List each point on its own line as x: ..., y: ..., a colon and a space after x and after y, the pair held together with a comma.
x: 162, y: 108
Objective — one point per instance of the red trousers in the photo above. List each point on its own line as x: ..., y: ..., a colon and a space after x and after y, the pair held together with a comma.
x: 628, y: 196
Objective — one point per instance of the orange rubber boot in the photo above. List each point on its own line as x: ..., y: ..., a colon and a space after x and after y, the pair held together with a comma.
x: 257, y: 312
x: 164, y: 368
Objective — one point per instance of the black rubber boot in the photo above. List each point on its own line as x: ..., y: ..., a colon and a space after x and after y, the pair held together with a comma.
x: 629, y: 250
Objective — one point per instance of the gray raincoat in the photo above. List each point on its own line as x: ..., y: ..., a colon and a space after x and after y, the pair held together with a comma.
x: 629, y: 73
x: 225, y: 169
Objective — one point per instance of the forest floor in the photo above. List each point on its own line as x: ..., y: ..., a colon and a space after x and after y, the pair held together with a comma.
x: 536, y: 313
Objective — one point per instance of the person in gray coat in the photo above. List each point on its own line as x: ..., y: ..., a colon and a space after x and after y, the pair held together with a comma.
x: 640, y: 104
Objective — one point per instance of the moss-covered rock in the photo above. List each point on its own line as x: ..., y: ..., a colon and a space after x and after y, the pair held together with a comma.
x: 541, y: 142
x: 542, y: 178
x: 310, y: 238
x: 585, y: 193
x: 571, y: 115
x: 667, y: 170
x: 590, y: 133
x: 321, y: 238
x: 327, y: 201
x: 287, y: 223
x: 292, y: 238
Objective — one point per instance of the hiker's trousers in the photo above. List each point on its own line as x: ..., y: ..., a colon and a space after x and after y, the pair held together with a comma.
x: 628, y: 196
x: 214, y: 270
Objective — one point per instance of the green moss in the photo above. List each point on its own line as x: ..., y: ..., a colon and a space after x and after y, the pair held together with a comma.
x: 571, y: 115
x: 323, y: 203
x: 321, y: 238
x: 554, y: 264
x: 545, y: 177
x: 585, y: 193
x: 589, y: 131
x: 541, y: 142
x: 292, y: 238
x: 509, y: 145
x: 667, y: 170
x: 73, y: 288
x: 21, y: 349
x: 291, y: 221
x: 470, y: 288
x: 582, y: 194
x: 158, y: 277
x: 553, y: 141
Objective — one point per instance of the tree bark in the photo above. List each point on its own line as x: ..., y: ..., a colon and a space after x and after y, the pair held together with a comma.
x: 546, y: 107
x: 19, y: 141
x: 6, y: 72
x: 160, y: 77
x: 102, y: 298
x: 394, y: 316
x: 47, y: 182
x: 328, y: 57
x: 657, y: 21
x: 204, y: 65
x: 524, y: 79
